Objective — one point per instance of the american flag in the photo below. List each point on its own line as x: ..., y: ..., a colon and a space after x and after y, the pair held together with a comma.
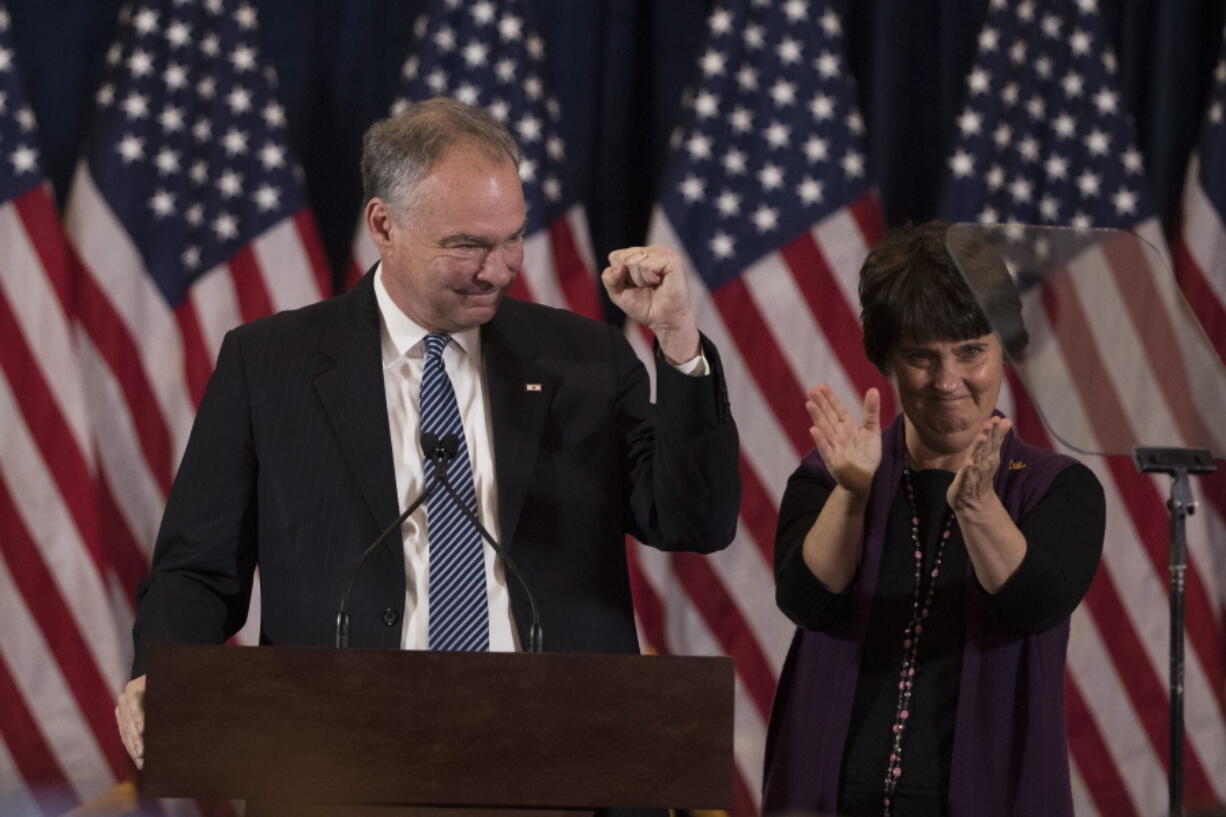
x: 1200, y: 246
x: 62, y: 653
x: 768, y: 198
x: 186, y: 217
x: 1043, y: 138
x: 489, y: 54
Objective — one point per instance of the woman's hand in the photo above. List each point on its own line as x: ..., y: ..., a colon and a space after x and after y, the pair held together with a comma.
x: 972, y: 485
x: 850, y: 451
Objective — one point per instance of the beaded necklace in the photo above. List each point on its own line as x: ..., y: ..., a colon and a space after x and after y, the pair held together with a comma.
x: 911, y: 636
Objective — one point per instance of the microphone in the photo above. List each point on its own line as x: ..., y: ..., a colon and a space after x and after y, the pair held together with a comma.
x: 441, y: 452
x: 342, y: 614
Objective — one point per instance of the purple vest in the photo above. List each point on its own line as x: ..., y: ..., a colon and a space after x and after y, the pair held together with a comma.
x: 1010, y: 757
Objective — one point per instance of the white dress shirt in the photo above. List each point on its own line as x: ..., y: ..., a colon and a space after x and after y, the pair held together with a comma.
x: 403, y: 357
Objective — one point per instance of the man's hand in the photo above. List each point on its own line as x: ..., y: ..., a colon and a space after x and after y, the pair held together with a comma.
x: 648, y: 284
x: 130, y: 715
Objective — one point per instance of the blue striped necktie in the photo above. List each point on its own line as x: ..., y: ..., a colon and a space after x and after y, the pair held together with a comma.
x: 458, y: 610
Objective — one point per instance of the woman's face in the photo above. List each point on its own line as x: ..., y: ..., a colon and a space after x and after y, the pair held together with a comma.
x: 948, y: 389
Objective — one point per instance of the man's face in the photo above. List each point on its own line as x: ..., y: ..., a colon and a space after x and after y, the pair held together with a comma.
x: 448, y: 261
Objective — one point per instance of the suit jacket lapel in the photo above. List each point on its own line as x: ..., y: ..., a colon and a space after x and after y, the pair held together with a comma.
x: 353, y: 397
x: 520, y: 392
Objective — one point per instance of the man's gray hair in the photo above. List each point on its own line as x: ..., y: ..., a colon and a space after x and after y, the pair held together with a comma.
x: 399, y: 152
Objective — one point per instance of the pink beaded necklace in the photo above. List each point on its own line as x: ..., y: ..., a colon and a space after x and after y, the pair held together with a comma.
x: 911, y: 636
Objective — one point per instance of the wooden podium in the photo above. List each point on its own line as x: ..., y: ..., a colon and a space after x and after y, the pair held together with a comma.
x: 385, y: 732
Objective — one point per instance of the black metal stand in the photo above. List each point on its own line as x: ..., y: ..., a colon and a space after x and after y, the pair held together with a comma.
x: 1179, y: 463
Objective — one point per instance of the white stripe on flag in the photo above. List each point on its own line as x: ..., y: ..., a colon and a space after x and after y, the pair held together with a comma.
x: 43, y: 323
x: 364, y: 252
x: 15, y: 799
x: 214, y: 301
x: 764, y: 444
x: 539, y: 271
x: 286, y: 267
x: 839, y: 237
x: 67, y: 559
x: 795, y: 329
x: 1203, y: 231
x: 749, y: 579
x: 577, y: 217
x: 1116, y: 719
x: 112, y: 260
x: 687, y: 634
x: 46, y: 695
x: 133, y: 486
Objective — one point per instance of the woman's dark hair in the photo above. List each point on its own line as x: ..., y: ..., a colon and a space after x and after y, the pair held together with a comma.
x: 911, y: 291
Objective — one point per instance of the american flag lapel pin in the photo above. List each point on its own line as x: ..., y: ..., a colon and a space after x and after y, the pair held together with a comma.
x: 532, y: 387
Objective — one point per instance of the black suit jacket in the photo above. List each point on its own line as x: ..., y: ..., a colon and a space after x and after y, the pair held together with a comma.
x: 289, y: 466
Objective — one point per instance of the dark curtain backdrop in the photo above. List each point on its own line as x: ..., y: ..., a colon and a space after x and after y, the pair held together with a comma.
x: 619, y: 68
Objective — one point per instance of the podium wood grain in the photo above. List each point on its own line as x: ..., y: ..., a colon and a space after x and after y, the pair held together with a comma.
x: 483, y: 730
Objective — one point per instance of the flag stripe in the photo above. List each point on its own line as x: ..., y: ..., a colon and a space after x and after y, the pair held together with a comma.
x: 117, y: 346
x: 1090, y: 754
x: 726, y: 625
x: 48, y: 428
x: 573, y: 272
x: 836, y: 319
x: 253, y: 298
x: 42, y: 597
x: 32, y: 755
x: 1201, y: 297
x: 758, y: 511
x: 1143, y: 504
x: 35, y: 279
x: 770, y: 371
x: 196, y: 358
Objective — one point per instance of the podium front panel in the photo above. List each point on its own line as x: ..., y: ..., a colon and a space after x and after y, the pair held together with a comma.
x: 492, y: 730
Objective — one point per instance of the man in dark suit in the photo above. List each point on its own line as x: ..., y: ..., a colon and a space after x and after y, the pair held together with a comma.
x: 307, y: 442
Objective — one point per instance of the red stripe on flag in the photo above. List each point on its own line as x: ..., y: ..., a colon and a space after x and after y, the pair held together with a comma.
x: 1138, y: 674
x: 42, y: 225
x: 742, y: 799
x: 867, y: 212
x: 1141, y: 500
x: 118, y: 348
x: 41, y: 771
x: 647, y: 604
x: 308, y: 237
x: 1089, y: 751
x: 50, y: 431
x: 253, y: 299
x: 127, y: 561
x: 571, y: 271
x: 353, y: 274
x: 726, y: 624
x: 836, y: 320
x: 197, y: 362
x: 1160, y: 346
x: 764, y: 361
x: 48, y: 608
x: 1200, y: 296
x: 519, y: 289
x: 758, y: 512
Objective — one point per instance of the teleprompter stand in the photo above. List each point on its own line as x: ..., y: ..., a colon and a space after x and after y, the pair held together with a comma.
x: 1179, y: 463
x: 378, y: 732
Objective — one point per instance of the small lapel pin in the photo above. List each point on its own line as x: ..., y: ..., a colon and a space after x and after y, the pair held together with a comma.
x: 532, y: 387
x: 1016, y: 465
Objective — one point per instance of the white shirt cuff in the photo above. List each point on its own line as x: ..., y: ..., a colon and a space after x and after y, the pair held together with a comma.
x: 696, y: 366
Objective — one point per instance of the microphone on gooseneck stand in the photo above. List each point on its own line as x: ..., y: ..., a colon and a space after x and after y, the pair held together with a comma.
x: 342, y: 614
x: 441, y: 452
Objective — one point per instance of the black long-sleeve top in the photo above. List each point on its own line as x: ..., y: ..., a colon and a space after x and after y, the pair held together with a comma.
x: 1046, y: 587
